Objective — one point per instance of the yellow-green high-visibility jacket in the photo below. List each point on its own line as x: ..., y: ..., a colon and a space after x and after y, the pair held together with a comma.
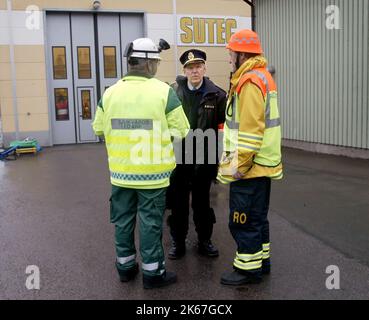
x: 138, y: 116
x: 252, y: 132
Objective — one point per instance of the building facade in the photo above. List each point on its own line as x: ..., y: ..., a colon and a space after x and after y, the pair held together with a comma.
x: 58, y: 57
x: 319, y: 49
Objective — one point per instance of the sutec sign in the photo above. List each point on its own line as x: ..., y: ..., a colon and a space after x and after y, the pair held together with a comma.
x: 208, y: 30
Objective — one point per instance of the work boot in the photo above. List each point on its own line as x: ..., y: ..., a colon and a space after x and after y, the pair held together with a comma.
x: 151, y: 282
x: 127, y: 275
x: 206, y: 248
x: 177, y: 250
x: 235, y: 278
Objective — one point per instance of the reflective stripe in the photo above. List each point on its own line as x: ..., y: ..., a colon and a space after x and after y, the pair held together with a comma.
x: 248, y: 136
x: 232, y: 124
x: 132, y: 124
x: 244, y: 146
x: 140, y: 177
x: 224, y: 180
x: 262, y: 77
x: 277, y: 176
x: 249, y: 257
x: 150, y: 266
x: 269, y: 123
x: 272, y: 123
x: 124, y: 260
x: 266, y: 251
x: 248, y: 265
x: 266, y: 256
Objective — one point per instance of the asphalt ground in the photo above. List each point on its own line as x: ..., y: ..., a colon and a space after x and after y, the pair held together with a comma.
x: 54, y: 214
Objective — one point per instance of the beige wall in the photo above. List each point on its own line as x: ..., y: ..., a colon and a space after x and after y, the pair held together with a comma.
x: 31, y: 89
x: 214, y: 7
x: 157, y: 6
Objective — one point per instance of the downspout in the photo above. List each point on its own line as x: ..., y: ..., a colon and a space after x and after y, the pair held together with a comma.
x: 253, y: 16
x: 13, y: 70
x: 174, y: 3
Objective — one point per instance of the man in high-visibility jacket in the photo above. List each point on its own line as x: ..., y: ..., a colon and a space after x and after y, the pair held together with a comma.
x: 138, y: 117
x: 251, y: 157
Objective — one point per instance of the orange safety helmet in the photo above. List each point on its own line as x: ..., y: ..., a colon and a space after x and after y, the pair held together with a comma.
x: 245, y: 41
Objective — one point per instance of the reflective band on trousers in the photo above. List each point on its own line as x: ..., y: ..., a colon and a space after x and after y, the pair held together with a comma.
x: 266, y: 255
x: 266, y: 251
x: 123, y: 260
x: 150, y: 266
x: 249, y: 257
x: 248, y: 265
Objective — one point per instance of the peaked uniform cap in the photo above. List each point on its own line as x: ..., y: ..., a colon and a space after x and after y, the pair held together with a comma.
x: 192, y: 56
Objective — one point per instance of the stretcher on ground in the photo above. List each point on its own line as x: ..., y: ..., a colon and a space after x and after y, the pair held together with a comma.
x: 5, y: 154
x: 20, y: 147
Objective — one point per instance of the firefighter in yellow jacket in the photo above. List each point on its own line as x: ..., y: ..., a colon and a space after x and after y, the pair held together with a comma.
x: 251, y: 157
x: 138, y: 117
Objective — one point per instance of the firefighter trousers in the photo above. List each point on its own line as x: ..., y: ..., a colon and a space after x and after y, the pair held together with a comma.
x: 149, y: 205
x: 249, y: 226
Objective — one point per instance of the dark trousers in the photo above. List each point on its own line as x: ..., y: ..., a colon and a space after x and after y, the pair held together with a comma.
x: 248, y: 223
x: 195, y: 180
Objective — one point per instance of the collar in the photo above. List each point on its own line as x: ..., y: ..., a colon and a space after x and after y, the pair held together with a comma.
x: 192, y: 88
x: 137, y: 74
x: 252, y: 63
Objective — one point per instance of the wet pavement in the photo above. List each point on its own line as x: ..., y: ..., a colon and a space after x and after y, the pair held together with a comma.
x: 54, y: 214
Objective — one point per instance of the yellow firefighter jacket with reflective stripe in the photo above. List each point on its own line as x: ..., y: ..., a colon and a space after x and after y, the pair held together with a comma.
x: 252, y: 132
x: 138, y: 116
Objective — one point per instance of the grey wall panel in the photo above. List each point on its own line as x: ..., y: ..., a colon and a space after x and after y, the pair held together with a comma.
x: 322, y: 74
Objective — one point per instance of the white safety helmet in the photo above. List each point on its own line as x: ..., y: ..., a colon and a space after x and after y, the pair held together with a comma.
x: 145, y: 48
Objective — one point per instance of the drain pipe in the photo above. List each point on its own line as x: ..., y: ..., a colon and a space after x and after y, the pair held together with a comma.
x: 12, y: 67
x: 174, y: 4
x: 253, y: 17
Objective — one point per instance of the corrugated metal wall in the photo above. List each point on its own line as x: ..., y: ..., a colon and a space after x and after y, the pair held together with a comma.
x: 322, y: 74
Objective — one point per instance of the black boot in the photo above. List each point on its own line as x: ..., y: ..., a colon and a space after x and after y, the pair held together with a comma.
x: 236, y: 278
x: 206, y: 248
x: 151, y: 282
x: 127, y: 275
x: 177, y: 250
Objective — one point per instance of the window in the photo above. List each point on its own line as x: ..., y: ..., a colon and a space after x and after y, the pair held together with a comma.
x: 59, y: 63
x: 110, y: 62
x: 84, y: 63
x: 86, y: 104
x: 61, y: 104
